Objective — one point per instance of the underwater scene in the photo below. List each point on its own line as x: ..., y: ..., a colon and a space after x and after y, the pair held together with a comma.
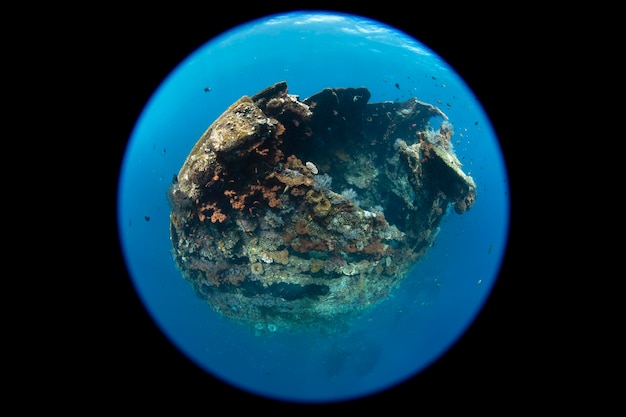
x: 332, y: 212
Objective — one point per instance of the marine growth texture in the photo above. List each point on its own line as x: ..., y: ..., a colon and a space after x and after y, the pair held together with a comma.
x: 291, y: 213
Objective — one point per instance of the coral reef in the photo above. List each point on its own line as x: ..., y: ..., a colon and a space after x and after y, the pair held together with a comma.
x: 266, y: 238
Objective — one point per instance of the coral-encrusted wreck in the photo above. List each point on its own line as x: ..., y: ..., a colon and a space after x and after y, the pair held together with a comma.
x: 288, y: 212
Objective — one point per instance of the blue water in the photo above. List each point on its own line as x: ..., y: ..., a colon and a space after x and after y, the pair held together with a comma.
x: 434, y: 305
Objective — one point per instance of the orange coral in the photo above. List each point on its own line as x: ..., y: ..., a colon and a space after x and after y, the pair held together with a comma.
x: 278, y: 156
x: 280, y: 130
x: 294, y: 163
x: 272, y: 200
x: 216, y: 216
x: 237, y: 201
x: 270, y: 195
x: 262, y: 152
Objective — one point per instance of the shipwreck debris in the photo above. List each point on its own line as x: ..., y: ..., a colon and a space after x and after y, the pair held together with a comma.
x: 273, y: 240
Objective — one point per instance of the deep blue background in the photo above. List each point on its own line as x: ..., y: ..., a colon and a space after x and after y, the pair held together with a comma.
x: 435, y: 304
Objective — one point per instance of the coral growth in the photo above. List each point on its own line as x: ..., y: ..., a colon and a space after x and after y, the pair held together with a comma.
x: 256, y: 268
x: 216, y: 216
x: 265, y: 237
x: 304, y: 245
x: 322, y: 182
x: 320, y: 203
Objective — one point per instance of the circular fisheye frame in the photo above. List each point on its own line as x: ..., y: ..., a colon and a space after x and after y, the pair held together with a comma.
x: 313, y: 207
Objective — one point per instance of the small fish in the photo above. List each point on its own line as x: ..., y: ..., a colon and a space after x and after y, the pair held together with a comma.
x: 207, y: 89
x: 490, y: 248
x: 147, y: 218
